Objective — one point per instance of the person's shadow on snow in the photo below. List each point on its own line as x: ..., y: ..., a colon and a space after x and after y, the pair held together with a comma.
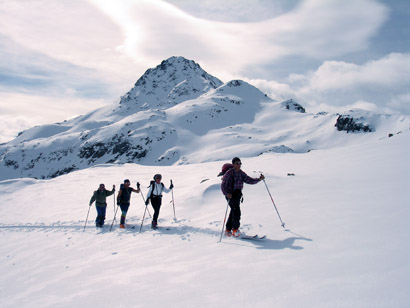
x: 282, y: 244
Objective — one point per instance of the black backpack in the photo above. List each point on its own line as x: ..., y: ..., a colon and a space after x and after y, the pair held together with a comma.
x: 125, y: 194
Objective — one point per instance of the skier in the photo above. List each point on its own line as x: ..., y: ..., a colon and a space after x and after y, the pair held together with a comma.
x: 100, y: 196
x: 155, y: 195
x: 232, y: 184
x: 123, y: 199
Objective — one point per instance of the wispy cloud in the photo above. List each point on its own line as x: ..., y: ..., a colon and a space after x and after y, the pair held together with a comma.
x: 19, y: 111
x: 235, y: 11
x: 27, y: 71
x: 71, y: 39
x: 315, y: 29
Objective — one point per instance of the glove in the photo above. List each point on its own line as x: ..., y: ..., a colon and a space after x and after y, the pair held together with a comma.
x: 90, y: 204
x: 118, y: 202
x: 147, y: 201
x: 171, y: 186
x: 138, y: 185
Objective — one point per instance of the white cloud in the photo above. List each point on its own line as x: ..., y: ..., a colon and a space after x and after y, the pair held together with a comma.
x: 390, y: 71
x: 381, y: 85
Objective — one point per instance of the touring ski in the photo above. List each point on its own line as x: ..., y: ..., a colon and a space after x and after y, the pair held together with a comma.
x: 252, y: 237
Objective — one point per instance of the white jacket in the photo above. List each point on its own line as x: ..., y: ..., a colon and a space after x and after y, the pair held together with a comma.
x: 157, y: 189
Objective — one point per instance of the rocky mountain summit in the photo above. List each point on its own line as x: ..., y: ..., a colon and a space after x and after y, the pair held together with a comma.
x: 175, y: 111
x: 173, y: 81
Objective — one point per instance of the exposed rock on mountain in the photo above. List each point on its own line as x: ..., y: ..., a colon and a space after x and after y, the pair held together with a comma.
x: 349, y: 124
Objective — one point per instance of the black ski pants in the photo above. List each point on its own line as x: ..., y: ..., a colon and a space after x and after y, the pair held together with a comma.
x: 156, y: 202
x: 235, y: 213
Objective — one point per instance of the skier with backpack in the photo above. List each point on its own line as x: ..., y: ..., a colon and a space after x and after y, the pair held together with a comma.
x: 123, y: 199
x: 232, y: 185
x: 154, y: 194
x: 100, y: 196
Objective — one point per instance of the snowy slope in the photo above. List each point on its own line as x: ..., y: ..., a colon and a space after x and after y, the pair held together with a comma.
x: 178, y: 114
x: 346, y: 242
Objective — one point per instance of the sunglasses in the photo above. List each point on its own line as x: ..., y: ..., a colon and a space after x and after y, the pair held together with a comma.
x: 238, y: 163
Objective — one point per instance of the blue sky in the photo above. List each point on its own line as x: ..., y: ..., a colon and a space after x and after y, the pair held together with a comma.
x: 59, y: 59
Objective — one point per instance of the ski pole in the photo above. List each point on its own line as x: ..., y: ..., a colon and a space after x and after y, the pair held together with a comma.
x: 115, y: 215
x: 87, y: 217
x: 146, y: 208
x: 173, y: 203
x: 143, y: 199
x: 283, y: 224
x: 143, y: 217
x: 223, y: 225
x: 114, y: 202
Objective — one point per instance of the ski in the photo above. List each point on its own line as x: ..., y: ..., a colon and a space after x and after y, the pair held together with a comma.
x: 160, y: 228
x: 247, y: 237
x: 252, y: 237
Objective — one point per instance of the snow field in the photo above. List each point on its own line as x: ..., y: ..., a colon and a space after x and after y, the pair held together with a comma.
x: 345, y: 243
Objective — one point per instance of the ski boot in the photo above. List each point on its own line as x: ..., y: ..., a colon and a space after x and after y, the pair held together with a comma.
x: 236, y: 233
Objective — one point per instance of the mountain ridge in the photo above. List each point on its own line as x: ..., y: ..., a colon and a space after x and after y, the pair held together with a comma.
x: 175, y: 109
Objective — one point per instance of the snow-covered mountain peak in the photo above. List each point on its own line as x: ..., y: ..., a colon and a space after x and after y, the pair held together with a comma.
x: 241, y: 88
x: 173, y: 81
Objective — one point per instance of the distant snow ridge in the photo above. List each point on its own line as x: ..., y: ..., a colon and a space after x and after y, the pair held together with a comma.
x: 290, y: 104
x: 179, y: 114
